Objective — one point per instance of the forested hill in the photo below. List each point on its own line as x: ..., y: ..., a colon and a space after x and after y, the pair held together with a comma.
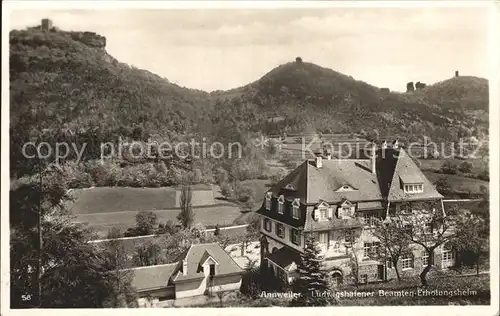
x: 312, y: 97
x: 65, y: 85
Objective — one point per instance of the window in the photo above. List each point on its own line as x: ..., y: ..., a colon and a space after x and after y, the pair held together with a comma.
x: 366, y: 249
x: 428, y: 227
x: 349, y: 236
x: 212, y: 269
x: 425, y: 257
x: 407, y: 263
x: 268, y: 202
x: 323, y: 214
x: 447, y: 257
x: 280, y: 230
x: 414, y: 188
x: 281, y: 202
x: 408, y: 229
x: 295, y: 209
x: 370, y: 249
x: 295, y: 236
x: 323, y: 238
x: 368, y: 219
x: 389, y: 264
x: 267, y: 224
x: 364, y: 278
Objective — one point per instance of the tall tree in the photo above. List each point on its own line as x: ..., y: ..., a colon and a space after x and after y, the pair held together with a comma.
x: 471, y: 239
x: 311, y: 282
x: 120, y: 277
x: 392, y: 245
x: 186, y: 216
x: 426, y: 224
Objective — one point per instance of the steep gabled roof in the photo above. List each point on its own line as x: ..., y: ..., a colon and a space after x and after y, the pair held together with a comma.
x: 406, y: 168
x: 199, y: 253
x: 298, y: 179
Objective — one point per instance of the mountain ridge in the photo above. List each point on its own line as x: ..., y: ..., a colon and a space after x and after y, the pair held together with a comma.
x: 59, y: 83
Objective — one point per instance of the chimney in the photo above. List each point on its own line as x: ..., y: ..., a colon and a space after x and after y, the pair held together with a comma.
x: 319, y: 161
x: 384, y: 144
x: 395, y: 144
x: 184, y: 267
x: 456, y: 73
x: 372, y: 158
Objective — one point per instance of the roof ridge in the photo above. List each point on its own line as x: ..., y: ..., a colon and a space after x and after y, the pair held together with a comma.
x: 152, y: 266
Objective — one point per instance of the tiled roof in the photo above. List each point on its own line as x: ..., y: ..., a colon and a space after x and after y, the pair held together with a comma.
x: 198, y: 253
x: 313, y: 184
x: 406, y: 168
x: 325, y: 181
x: 285, y: 257
x: 152, y: 277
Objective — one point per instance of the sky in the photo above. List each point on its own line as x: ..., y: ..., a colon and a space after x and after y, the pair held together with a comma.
x: 220, y: 49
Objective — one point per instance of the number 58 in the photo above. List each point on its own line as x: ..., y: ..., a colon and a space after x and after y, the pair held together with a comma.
x: 26, y: 297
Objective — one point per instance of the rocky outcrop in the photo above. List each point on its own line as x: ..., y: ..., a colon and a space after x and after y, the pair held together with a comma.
x: 90, y: 39
x: 410, y: 87
x: 420, y: 85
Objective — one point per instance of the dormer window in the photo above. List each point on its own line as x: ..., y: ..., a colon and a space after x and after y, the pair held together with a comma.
x: 414, y: 188
x: 268, y: 200
x: 295, y: 208
x: 281, y: 204
x: 345, y: 187
x: 322, y: 212
x: 345, y: 210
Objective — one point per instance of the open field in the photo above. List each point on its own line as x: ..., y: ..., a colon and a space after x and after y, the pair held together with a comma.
x: 208, y: 216
x: 478, y: 165
x: 458, y: 183
x: 120, y: 199
x: 106, y: 207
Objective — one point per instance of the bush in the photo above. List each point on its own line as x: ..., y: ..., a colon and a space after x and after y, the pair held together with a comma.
x: 449, y: 168
x: 465, y: 167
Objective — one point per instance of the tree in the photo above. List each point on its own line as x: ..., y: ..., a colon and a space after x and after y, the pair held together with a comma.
x: 311, y: 280
x: 217, y: 230
x: 392, y: 245
x: 73, y: 273
x: 146, y: 222
x: 120, y: 276
x: 442, y: 186
x: 227, y: 190
x: 148, y: 254
x: 186, y: 216
x: 449, y: 168
x: 426, y: 224
x: 471, y: 239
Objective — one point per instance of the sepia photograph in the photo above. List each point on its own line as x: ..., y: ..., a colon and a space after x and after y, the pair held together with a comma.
x: 222, y: 155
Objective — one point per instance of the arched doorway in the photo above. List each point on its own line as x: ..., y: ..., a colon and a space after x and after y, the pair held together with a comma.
x: 337, y: 278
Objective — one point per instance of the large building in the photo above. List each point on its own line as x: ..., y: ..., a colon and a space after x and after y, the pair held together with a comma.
x: 337, y: 200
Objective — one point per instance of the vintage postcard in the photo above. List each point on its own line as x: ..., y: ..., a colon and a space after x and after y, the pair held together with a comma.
x: 218, y: 157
